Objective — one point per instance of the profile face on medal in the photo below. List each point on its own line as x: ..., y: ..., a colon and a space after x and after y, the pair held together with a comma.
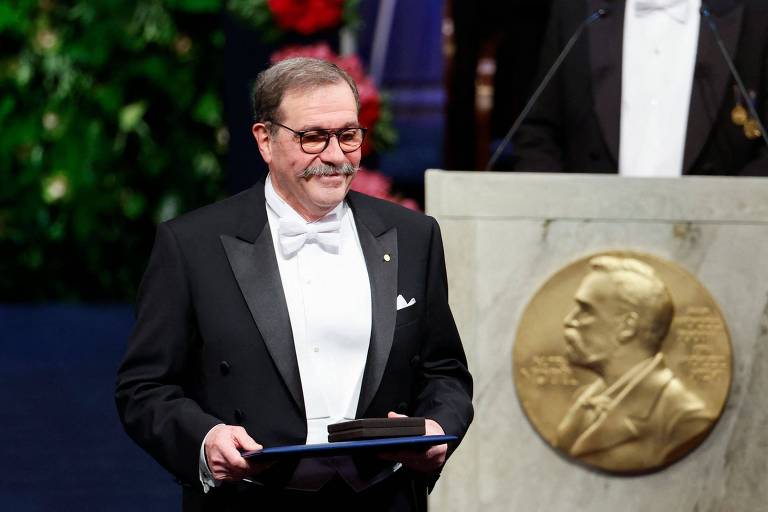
x: 615, y: 399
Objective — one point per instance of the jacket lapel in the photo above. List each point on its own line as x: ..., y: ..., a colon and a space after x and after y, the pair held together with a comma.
x: 605, y: 45
x: 252, y: 257
x: 377, y: 240
x: 711, y: 76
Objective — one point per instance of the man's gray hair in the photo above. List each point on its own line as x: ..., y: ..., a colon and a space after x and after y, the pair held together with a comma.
x: 641, y: 290
x: 296, y: 74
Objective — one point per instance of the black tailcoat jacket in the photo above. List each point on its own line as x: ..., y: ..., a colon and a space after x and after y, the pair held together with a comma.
x: 213, y: 343
x: 575, y: 125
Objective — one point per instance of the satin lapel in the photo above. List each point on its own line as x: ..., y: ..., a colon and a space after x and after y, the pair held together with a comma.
x: 711, y: 78
x: 376, y: 241
x: 605, y: 45
x: 255, y: 268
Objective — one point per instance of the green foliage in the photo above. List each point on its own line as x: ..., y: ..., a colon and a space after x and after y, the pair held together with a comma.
x: 256, y: 14
x: 385, y: 135
x: 111, y: 121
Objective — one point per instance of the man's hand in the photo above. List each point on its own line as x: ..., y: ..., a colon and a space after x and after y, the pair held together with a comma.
x: 222, y: 453
x: 424, y: 461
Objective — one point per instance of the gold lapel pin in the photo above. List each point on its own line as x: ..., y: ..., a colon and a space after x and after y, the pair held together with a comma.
x: 387, y: 257
x: 752, y: 129
x: 740, y: 116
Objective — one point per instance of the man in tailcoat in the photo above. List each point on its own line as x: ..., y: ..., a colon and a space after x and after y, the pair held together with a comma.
x: 647, y: 92
x: 266, y: 317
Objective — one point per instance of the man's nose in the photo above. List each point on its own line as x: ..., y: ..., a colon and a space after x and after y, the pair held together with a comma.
x: 332, y: 154
x: 570, y: 318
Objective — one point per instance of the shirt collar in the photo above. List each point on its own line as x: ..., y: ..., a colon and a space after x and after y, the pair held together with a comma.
x: 679, y: 10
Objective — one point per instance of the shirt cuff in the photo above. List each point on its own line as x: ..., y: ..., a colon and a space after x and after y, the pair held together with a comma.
x: 204, y: 472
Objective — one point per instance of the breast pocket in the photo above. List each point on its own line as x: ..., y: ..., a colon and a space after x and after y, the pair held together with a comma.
x: 408, y: 315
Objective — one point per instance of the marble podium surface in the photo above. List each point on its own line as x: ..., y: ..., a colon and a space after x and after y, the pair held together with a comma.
x: 505, y: 234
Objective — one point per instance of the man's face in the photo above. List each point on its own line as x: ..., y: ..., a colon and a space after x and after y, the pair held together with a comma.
x: 592, y: 327
x: 327, y: 107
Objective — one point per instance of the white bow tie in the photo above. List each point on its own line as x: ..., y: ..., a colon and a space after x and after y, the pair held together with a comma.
x: 293, y: 235
x: 678, y: 9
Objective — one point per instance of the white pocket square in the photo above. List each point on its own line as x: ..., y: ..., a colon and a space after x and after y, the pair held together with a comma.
x: 401, y: 304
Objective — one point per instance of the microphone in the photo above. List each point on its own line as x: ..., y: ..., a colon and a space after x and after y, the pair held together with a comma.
x: 600, y: 13
x: 707, y: 15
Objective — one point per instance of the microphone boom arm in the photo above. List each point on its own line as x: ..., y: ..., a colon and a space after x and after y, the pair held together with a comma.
x: 531, y: 102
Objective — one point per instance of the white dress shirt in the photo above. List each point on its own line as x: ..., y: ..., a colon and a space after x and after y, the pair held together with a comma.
x: 328, y: 296
x: 659, y: 57
x: 329, y: 303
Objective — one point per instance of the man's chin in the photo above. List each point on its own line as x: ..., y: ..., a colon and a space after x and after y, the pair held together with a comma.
x: 573, y: 351
x: 327, y: 198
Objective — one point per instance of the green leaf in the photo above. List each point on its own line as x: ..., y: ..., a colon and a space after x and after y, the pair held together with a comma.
x: 131, y: 115
x: 6, y: 107
x: 109, y: 96
x: 14, y: 19
x: 133, y: 204
x: 208, y: 109
x: 195, y: 5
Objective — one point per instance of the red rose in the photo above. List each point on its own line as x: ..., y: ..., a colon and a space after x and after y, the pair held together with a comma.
x: 306, y: 16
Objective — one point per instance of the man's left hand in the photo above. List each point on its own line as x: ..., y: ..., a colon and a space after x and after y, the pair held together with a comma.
x: 424, y: 461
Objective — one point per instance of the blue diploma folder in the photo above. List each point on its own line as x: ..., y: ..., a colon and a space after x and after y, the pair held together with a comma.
x: 300, y: 451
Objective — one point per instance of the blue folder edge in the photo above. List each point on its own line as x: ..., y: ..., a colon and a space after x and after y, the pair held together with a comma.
x: 299, y: 451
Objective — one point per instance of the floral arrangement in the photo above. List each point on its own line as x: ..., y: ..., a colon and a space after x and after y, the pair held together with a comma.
x: 275, y: 18
x: 112, y: 122
x: 376, y: 184
x: 374, y: 109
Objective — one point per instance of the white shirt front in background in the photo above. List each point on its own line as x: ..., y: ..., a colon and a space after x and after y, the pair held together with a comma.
x: 659, y: 57
x: 329, y: 303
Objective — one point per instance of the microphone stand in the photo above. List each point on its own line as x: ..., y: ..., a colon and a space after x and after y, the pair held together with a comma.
x: 547, y: 78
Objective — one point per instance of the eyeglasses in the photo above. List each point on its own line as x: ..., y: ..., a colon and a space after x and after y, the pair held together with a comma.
x: 315, y: 141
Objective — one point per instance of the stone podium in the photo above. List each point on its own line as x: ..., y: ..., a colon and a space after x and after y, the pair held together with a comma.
x: 505, y: 234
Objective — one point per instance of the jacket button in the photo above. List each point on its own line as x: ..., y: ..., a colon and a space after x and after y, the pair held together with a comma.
x: 225, y: 367
x: 415, y: 360
x: 239, y: 416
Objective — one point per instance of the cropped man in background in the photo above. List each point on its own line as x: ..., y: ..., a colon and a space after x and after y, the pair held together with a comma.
x: 647, y: 92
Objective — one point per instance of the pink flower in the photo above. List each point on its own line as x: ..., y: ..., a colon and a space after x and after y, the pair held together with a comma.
x: 376, y: 184
x: 410, y: 203
x: 372, y: 183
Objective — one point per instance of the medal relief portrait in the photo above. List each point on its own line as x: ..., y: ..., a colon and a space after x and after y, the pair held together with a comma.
x: 636, y: 413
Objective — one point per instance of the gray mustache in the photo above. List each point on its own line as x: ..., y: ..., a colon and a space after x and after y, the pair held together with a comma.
x: 346, y: 169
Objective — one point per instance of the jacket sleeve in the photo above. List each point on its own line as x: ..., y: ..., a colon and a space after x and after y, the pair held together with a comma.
x: 444, y: 392
x: 157, y: 373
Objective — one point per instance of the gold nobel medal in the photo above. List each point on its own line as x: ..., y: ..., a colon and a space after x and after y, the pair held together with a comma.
x: 739, y: 115
x: 752, y: 129
x: 622, y: 362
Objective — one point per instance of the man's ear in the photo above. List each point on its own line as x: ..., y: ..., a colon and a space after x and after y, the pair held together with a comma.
x: 263, y: 140
x: 628, y: 328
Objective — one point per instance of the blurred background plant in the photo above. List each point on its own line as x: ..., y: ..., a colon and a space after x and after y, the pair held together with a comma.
x: 111, y: 121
